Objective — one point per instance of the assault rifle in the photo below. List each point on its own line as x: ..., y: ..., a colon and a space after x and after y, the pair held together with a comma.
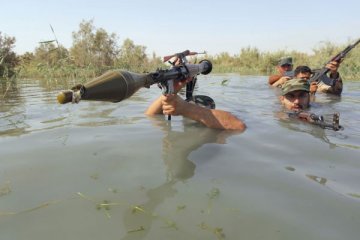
x: 320, y: 75
x: 115, y: 86
x: 317, y: 119
x: 182, y: 56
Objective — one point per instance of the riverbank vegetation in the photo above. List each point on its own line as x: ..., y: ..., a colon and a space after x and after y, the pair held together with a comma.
x: 95, y: 51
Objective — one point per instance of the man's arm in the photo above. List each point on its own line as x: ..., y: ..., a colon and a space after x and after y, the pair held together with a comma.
x: 274, y: 78
x: 155, y: 107
x: 338, y: 87
x: 334, y: 74
x: 219, y: 119
x: 281, y: 81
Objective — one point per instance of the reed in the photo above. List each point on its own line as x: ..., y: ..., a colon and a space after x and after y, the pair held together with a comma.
x: 248, y: 62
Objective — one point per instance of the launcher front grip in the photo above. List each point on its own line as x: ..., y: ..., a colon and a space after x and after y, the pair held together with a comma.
x: 67, y: 96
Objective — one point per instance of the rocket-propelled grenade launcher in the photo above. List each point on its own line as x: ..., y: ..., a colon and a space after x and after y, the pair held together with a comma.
x: 115, y: 86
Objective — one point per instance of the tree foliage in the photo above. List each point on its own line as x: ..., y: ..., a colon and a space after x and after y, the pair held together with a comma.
x: 93, y: 47
x: 8, y: 58
x: 132, y: 56
x: 50, y: 55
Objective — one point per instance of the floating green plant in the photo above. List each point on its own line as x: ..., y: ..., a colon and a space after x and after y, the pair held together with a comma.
x: 5, y: 190
x: 290, y: 168
x: 214, y: 193
x: 224, y: 82
x: 141, y: 228
x: 217, y: 231
x: 43, y: 205
x: 113, y: 190
x: 94, y: 176
x: 320, y: 180
x: 170, y: 224
x: 181, y: 207
x: 356, y: 195
x: 104, y: 205
x: 136, y: 209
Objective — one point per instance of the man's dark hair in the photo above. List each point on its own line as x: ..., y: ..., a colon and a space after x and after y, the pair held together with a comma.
x: 302, y: 69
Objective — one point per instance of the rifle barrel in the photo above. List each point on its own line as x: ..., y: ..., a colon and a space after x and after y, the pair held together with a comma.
x: 338, y: 57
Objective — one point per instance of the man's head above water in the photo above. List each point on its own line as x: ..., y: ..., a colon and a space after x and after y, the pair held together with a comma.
x: 295, y: 94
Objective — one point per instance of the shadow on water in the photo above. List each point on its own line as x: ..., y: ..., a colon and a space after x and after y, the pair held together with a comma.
x: 175, y: 154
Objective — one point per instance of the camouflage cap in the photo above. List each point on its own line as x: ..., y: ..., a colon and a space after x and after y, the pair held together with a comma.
x: 295, y: 85
x: 284, y: 61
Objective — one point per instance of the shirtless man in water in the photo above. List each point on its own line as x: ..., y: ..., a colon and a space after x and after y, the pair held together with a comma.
x: 173, y: 104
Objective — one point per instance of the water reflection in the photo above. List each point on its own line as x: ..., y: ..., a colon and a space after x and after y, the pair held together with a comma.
x: 96, y: 115
x: 327, y: 98
x: 8, y: 89
x: 11, y: 115
x: 28, y: 106
x: 305, y: 127
x: 176, y: 148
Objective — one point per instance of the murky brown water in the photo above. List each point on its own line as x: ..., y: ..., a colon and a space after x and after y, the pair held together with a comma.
x: 99, y: 170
